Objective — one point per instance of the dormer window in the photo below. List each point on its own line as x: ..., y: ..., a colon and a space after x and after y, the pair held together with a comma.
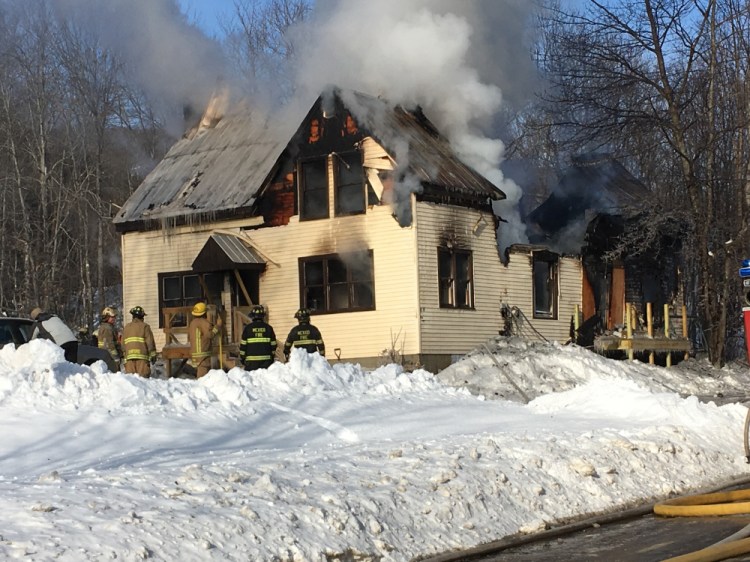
x: 337, y: 178
x: 314, y: 188
x: 350, y: 184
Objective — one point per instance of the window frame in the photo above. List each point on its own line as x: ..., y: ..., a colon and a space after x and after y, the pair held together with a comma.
x: 304, y: 215
x: 184, y: 300
x: 448, y: 284
x: 552, y: 285
x: 326, y: 285
x: 341, y: 162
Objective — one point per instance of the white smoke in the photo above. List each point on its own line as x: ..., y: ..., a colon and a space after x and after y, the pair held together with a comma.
x: 459, y: 60
x: 454, y: 59
x: 169, y: 58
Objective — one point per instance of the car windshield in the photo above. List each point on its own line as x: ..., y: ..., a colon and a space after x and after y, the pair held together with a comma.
x: 26, y: 330
x: 6, y: 335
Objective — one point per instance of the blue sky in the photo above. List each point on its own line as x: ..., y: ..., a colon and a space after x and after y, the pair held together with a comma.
x: 206, y: 13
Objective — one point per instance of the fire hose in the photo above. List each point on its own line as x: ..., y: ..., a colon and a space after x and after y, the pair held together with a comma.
x: 719, y: 503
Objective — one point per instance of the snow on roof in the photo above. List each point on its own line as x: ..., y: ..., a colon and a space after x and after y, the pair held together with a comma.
x: 217, y: 169
x: 220, y: 169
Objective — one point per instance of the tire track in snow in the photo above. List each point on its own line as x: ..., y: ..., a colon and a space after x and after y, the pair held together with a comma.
x: 341, y: 432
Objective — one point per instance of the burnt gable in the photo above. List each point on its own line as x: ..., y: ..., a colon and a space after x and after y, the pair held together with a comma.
x: 328, y: 127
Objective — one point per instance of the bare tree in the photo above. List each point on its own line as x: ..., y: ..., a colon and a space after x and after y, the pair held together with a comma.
x: 663, y: 85
x: 71, y: 130
x: 258, y: 43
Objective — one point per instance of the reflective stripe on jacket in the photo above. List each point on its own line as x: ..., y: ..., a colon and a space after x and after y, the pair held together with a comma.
x: 138, y: 341
x: 107, y: 339
x: 200, y: 335
x: 258, y: 342
x: 306, y: 336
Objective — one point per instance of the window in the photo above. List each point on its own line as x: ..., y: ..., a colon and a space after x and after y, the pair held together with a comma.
x: 350, y: 195
x: 545, y: 266
x: 456, y: 278
x: 337, y: 283
x: 350, y: 185
x: 185, y: 289
x: 314, y: 188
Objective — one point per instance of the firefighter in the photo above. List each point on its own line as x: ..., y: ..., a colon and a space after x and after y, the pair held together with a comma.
x: 258, y: 346
x: 201, y: 333
x: 107, y: 337
x: 140, y: 349
x: 304, y: 335
x: 48, y: 326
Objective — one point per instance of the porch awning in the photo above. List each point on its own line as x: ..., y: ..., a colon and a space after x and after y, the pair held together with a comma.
x: 223, y: 252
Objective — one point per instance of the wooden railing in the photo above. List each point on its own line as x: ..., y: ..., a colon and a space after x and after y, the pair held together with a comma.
x: 642, y: 337
x: 178, y: 347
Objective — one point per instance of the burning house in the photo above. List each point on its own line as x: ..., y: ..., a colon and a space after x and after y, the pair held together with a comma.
x: 362, y: 213
x: 595, y: 211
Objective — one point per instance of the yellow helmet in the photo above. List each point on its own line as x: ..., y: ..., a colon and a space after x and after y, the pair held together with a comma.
x: 109, y: 311
x: 199, y: 309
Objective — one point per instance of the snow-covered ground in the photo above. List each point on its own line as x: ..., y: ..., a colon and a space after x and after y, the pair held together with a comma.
x: 311, y: 461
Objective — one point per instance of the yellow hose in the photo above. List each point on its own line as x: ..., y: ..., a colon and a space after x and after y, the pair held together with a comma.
x: 715, y: 552
x: 718, y: 503
x: 702, y: 505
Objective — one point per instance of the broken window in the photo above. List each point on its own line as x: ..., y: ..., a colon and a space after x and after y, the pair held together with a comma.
x: 545, y: 272
x: 351, y: 195
x: 337, y: 283
x: 350, y: 184
x: 186, y: 289
x: 456, y: 278
x: 314, y: 188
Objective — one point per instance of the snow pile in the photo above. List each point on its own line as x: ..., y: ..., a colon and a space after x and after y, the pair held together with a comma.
x: 542, y: 368
x: 312, y: 461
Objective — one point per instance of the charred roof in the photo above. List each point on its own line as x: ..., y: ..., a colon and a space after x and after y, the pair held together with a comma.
x: 593, y: 184
x: 219, y: 170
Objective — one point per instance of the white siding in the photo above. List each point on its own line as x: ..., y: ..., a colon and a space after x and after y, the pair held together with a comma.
x: 518, y: 292
x: 407, y: 314
x: 356, y: 334
x: 448, y: 330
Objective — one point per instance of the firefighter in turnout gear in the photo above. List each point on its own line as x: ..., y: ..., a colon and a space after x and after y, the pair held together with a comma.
x: 258, y: 346
x: 304, y: 335
x: 201, y: 333
x: 107, y: 337
x: 140, y: 349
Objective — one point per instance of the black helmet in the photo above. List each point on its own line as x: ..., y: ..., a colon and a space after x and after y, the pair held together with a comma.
x: 137, y: 312
x: 258, y: 312
x: 303, y: 315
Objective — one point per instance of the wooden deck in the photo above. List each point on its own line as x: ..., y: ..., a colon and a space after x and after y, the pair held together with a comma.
x: 641, y: 343
x: 640, y: 339
x: 225, y: 354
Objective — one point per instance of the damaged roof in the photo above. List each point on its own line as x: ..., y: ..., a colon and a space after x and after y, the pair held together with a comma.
x: 218, y: 171
x: 594, y: 183
x: 431, y: 157
x: 215, y: 169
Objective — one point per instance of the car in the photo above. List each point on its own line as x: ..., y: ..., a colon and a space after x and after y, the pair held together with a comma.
x: 18, y: 331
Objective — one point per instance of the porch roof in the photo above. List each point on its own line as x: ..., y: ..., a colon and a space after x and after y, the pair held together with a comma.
x: 223, y: 252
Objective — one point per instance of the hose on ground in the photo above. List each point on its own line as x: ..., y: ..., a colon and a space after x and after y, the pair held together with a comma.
x: 719, y: 503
